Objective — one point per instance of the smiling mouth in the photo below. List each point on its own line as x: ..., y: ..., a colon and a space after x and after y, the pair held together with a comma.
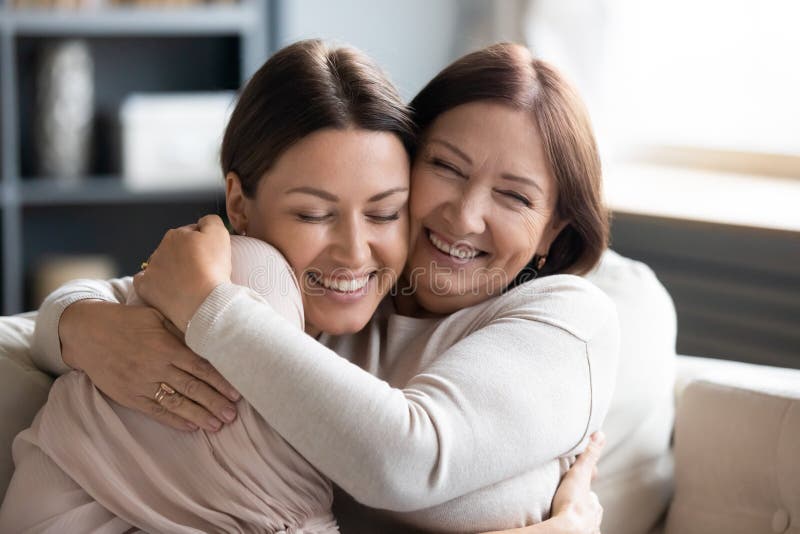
x: 340, y: 285
x: 458, y: 251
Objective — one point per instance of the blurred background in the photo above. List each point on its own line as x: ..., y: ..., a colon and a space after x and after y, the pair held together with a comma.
x: 112, y: 111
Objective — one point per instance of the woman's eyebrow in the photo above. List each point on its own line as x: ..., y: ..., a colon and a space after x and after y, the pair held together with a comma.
x: 460, y: 153
x: 522, y: 180
x: 387, y: 193
x: 314, y: 191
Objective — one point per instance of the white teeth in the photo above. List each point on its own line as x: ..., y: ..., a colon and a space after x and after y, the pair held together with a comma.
x: 452, y: 251
x: 343, y: 286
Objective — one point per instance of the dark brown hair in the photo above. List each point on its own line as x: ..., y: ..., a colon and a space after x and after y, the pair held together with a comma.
x: 509, y: 74
x: 305, y: 87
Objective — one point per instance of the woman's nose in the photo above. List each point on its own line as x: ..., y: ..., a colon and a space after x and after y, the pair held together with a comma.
x: 466, y: 213
x: 351, y: 248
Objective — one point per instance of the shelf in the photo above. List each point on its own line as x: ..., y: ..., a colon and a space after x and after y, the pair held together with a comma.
x: 134, y: 50
x: 207, y: 20
x: 106, y: 190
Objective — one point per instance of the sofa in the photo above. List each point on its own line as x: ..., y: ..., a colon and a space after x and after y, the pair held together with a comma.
x: 736, y: 445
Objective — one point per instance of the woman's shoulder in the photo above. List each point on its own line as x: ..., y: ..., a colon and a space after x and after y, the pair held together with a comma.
x: 260, y: 267
x: 565, y: 301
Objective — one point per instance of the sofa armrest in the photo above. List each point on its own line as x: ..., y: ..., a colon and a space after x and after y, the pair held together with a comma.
x: 23, y: 388
x: 737, y: 436
x: 744, y: 375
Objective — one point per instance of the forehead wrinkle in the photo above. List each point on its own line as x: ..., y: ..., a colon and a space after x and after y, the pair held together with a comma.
x: 452, y: 147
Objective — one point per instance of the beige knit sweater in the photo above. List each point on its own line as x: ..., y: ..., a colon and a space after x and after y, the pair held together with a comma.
x: 453, y: 424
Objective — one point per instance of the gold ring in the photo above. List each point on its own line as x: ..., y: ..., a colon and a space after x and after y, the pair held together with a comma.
x: 163, y: 390
x: 143, y: 266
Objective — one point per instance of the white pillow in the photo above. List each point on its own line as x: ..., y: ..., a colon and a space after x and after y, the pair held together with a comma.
x: 23, y: 388
x: 635, y: 472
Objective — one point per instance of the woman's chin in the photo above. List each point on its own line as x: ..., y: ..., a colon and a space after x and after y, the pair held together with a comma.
x: 338, y: 322
x: 442, y: 304
x: 342, y: 328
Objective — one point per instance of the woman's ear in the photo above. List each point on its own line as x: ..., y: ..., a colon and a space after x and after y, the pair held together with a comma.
x: 236, y: 203
x: 550, y: 234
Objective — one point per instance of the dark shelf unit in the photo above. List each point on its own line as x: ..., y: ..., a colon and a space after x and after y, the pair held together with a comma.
x: 202, y: 48
x: 736, y: 289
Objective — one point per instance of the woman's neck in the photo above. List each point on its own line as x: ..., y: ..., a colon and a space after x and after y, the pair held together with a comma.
x: 313, y: 331
x: 405, y: 302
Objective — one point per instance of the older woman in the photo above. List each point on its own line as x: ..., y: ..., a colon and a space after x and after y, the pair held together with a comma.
x: 474, y: 389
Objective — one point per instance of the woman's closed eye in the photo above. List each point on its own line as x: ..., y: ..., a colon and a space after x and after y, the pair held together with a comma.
x: 447, y: 167
x: 517, y: 197
x: 314, y: 217
x: 384, y: 217
x: 325, y: 217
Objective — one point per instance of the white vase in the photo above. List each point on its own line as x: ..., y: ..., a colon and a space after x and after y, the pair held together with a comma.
x: 64, y: 111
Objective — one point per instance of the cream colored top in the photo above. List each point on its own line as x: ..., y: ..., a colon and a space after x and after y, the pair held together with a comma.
x: 455, y: 424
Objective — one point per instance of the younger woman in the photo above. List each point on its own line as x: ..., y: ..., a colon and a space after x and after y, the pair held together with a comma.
x: 313, y: 121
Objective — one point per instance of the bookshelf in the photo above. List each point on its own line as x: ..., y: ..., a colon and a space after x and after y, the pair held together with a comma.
x: 203, y: 47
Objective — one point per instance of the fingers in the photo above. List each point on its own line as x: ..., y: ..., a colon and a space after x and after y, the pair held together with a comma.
x: 137, y: 281
x: 183, y: 406
x: 172, y: 329
x: 200, y: 387
x: 211, y: 223
x: 182, y: 230
x: 594, y: 449
x: 195, y: 227
x: 584, y: 469
x: 164, y: 416
x: 197, y: 380
x: 200, y: 368
x: 595, y: 500
x: 189, y: 383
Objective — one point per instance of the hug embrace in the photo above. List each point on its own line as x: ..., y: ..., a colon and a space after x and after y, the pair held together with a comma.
x: 402, y: 337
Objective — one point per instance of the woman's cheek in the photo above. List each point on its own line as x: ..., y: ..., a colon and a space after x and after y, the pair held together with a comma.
x: 423, y: 187
x: 300, y: 243
x: 396, y: 247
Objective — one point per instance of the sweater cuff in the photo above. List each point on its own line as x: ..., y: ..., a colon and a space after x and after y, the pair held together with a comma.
x: 46, y: 349
x: 203, y: 320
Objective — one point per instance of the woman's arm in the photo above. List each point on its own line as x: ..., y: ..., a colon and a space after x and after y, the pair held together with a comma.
x: 84, y: 322
x: 47, y: 346
x: 539, y: 374
x: 403, y: 449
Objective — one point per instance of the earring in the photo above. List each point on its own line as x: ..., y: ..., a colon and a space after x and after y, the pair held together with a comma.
x: 540, y: 262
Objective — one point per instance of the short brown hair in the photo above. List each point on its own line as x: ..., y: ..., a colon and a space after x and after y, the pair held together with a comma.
x: 507, y: 73
x: 305, y: 87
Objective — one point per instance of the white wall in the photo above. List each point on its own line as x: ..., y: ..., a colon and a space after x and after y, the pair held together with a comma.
x: 411, y: 39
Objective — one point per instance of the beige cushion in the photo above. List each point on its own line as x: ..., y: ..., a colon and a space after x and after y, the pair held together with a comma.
x: 736, y: 455
x: 23, y: 388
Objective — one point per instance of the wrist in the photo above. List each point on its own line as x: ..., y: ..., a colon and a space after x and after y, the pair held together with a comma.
x: 191, y: 305
x: 70, y: 330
